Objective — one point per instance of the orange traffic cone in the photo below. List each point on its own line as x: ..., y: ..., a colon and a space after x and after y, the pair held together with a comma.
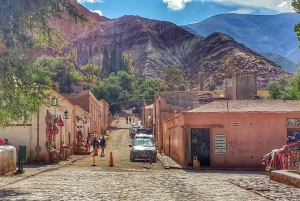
x: 111, y: 160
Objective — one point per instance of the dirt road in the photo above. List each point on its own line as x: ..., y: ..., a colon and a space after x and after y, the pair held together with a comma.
x: 118, y: 143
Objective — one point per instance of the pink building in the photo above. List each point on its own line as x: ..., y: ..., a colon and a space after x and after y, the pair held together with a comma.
x: 230, y: 134
x: 99, y: 110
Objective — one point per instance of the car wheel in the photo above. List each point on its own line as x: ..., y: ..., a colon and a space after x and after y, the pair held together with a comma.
x: 131, y: 158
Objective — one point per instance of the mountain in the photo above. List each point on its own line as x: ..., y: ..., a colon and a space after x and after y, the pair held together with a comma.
x: 155, y: 44
x: 286, y: 64
x: 262, y: 33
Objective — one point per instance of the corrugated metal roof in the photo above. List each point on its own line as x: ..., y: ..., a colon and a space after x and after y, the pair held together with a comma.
x: 237, y: 106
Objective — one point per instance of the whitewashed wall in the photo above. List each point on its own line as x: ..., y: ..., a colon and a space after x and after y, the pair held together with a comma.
x: 8, y: 158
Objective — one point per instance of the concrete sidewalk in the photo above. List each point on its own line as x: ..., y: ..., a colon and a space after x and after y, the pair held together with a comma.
x: 168, y: 162
x: 32, y: 169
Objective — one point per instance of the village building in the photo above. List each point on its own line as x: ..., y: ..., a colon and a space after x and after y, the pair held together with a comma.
x: 52, y: 130
x: 99, y: 110
x: 230, y: 134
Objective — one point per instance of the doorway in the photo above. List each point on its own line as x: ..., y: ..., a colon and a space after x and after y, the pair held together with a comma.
x: 200, y: 145
x: 291, y: 131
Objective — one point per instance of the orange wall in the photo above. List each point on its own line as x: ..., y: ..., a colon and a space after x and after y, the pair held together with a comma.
x: 257, y: 134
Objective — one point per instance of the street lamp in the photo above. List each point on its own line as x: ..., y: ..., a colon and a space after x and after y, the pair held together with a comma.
x: 54, y: 101
x: 66, y: 114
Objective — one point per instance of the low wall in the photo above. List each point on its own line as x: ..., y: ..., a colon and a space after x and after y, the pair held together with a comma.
x: 8, y: 158
x: 288, y: 177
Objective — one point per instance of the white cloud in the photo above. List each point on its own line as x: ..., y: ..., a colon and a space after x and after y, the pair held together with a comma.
x: 97, y: 11
x: 90, y: 1
x: 242, y: 11
x: 278, y: 5
x: 176, y: 4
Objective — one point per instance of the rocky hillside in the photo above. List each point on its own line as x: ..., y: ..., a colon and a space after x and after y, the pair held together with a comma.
x: 155, y: 44
x: 286, y: 64
x: 222, y: 56
x: 262, y: 33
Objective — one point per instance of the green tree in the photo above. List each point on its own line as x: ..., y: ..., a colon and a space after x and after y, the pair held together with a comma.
x: 296, y: 5
x: 25, y: 22
x: 181, y: 87
x: 277, y: 89
x: 92, y: 71
x: 23, y: 25
x: 109, y: 89
x: 65, y: 74
x: 172, y: 77
x: 22, y: 88
x: 211, y: 86
x: 126, y: 80
x: 146, y: 88
x: 129, y: 63
x: 114, y: 61
x: 106, y: 63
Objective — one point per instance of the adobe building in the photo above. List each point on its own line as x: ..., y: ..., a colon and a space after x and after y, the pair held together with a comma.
x: 230, y: 134
x: 168, y: 104
x: 242, y: 86
x: 99, y: 110
x: 38, y: 135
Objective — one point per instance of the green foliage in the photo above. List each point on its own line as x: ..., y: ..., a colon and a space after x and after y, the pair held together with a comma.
x: 181, y: 87
x: 211, y: 86
x: 278, y: 89
x: 172, y: 77
x: 126, y: 80
x: 146, y: 88
x: 296, y: 5
x: 65, y: 75
x: 116, y: 62
x: 22, y: 88
x: 92, y: 72
x: 23, y: 19
x: 23, y: 25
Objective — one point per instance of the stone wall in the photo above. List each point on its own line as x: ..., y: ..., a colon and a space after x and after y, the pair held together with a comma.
x: 186, y: 99
x: 8, y: 158
x: 244, y: 85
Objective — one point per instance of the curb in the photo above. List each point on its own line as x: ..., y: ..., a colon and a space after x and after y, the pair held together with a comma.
x: 45, y: 170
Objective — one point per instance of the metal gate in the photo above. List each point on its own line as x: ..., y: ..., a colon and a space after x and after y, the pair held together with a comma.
x: 201, y: 145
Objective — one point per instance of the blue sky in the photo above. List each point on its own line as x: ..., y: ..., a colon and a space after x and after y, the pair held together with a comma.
x: 182, y: 12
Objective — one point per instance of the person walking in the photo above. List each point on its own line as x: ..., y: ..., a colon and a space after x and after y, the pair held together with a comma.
x: 6, y: 142
x: 102, y: 145
x: 95, y: 145
x: 126, y: 120
x: 88, y: 142
x: 130, y: 120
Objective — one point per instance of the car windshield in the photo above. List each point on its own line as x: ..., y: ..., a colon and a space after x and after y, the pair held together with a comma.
x: 143, y: 142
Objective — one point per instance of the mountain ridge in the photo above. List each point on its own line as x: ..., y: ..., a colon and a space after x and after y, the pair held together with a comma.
x: 258, y: 32
x: 155, y: 44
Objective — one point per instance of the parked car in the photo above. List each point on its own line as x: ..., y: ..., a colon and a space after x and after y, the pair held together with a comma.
x: 135, y: 110
x: 142, y: 131
x: 255, y: 97
x: 133, y: 129
x: 143, y: 146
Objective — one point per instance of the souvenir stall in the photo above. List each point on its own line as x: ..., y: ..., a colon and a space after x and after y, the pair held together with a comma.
x: 52, y: 130
x: 80, y: 148
x: 285, y: 158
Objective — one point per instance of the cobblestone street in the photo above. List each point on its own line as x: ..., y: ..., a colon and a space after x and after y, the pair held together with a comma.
x: 127, y: 180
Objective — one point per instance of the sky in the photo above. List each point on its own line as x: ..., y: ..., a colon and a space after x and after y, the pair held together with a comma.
x: 183, y: 12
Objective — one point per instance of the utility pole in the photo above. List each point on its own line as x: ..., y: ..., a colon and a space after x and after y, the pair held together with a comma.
x: 160, y: 137
x: 144, y: 116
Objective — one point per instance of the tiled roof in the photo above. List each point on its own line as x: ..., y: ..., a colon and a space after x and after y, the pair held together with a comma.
x: 266, y: 106
x: 149, y: 106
